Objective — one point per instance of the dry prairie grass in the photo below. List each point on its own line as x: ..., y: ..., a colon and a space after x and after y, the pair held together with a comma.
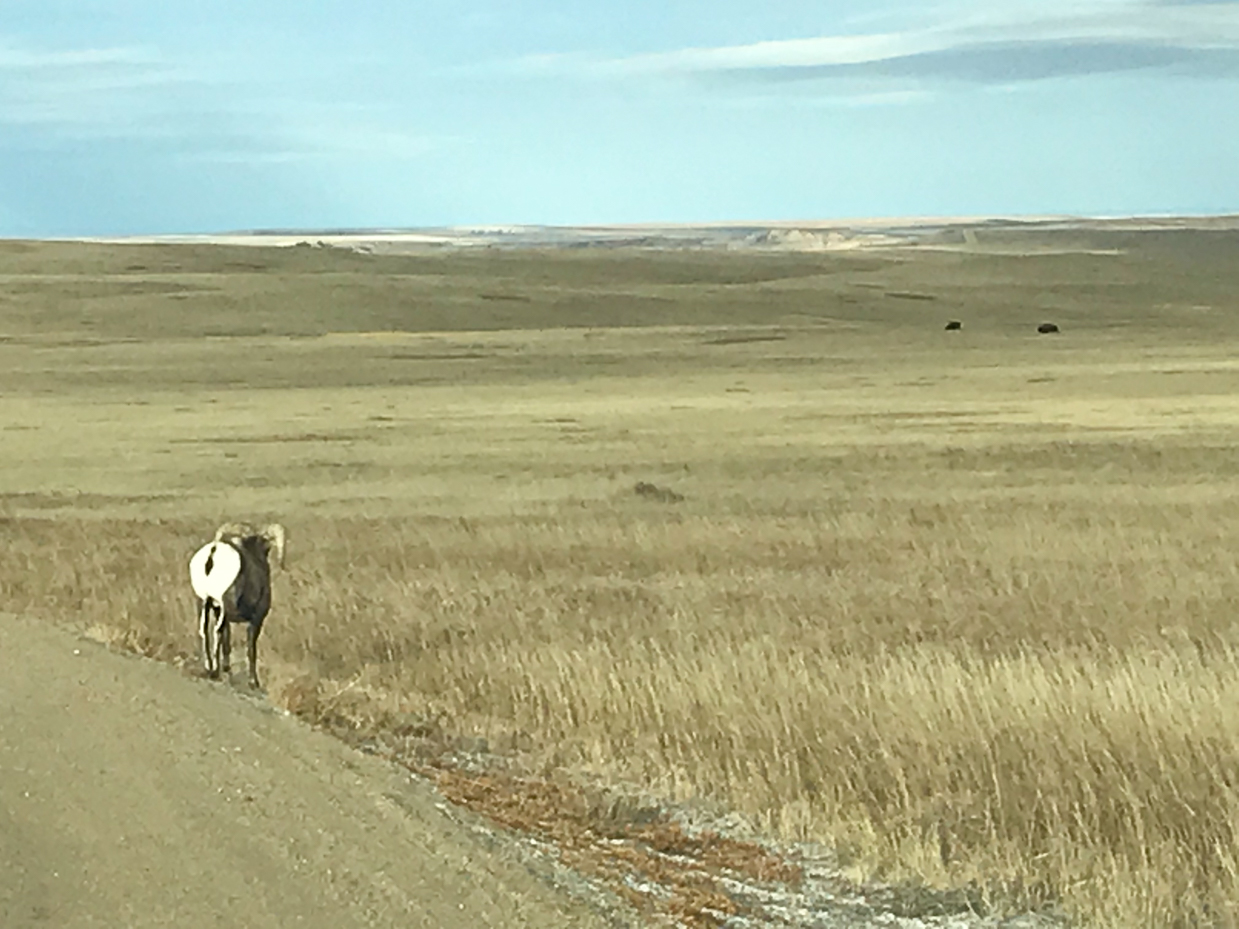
x: 965, y: 609
x: 984, y: 711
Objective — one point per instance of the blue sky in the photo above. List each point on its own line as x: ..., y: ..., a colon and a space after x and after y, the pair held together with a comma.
x: 163, y: 116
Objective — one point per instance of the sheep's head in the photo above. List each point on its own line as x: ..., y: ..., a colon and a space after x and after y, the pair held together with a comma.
x: 273, y: 534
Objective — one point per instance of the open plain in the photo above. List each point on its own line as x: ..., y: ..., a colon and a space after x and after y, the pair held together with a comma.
x: 960, y: 604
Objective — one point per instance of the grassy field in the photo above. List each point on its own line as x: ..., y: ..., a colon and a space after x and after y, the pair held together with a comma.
x: 961, y: 603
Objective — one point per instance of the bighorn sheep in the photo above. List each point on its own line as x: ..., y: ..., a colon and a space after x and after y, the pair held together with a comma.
x: 231, y: 576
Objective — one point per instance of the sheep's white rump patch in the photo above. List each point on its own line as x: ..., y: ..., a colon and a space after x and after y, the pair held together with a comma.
x: 213, y: 569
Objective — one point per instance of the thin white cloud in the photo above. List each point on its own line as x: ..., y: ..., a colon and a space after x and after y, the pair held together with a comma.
x: 16, y: 58
x: 50, y: 98
x: 792, y: 53
x: 248, y: 157
x: 90, y: 91
x: 1093, y: 35
x: 1199, y: 25
x: 788, y: 53
x: 853, y: 98
x: 288, y: 131
x: 306, y: 146
x: 342, y: 134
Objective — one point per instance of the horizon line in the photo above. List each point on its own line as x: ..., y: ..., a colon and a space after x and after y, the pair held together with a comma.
x: 500, y: 228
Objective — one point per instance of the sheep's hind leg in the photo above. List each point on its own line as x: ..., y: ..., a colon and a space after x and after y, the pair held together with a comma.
x: 221, y: 631
x: 251, y: 649
x: 225, y: 646
x: 208, y: 649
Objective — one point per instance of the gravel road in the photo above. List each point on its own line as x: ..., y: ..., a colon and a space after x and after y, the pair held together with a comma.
x: 134, y: 796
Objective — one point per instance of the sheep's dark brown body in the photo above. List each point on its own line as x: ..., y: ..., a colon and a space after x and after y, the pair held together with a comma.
x: 248, y: 600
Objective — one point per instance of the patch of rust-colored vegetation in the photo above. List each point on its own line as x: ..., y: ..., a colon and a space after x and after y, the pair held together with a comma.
x: 625, y: 855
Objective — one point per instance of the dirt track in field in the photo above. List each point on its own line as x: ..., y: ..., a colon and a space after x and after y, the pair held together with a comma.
x: 134, y: 796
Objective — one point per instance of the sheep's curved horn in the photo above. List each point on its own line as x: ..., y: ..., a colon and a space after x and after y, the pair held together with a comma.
x: 234, y: 530
x: 278, y: 537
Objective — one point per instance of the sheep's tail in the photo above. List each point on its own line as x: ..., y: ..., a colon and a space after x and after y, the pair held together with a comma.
x: 212, y: 570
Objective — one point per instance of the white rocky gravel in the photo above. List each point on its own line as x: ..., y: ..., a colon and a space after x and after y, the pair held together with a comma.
x: 823, y: 899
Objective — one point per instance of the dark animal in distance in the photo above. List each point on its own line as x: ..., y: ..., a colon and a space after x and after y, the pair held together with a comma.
x: 231, y: 576
x: 654, y: 492
x: 954, y: 326
x: 1046, y: 328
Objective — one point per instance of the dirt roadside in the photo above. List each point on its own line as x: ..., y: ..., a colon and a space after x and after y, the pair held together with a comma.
x: 133, y: 796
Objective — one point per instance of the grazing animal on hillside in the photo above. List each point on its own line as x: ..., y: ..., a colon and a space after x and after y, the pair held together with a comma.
x: 654, y: 492
x: 231, y: 576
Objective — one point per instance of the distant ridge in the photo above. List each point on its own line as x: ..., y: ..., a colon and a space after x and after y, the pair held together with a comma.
x: 964, y: 233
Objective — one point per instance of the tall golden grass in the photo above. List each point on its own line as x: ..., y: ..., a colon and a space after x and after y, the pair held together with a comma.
x: 965, y: 610
x: 984, y: 696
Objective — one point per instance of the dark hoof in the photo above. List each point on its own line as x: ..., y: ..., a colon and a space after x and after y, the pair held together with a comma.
x: 213, y: 675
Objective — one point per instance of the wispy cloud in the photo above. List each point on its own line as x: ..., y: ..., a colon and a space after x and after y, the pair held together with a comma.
x: 991, y: 44
x: 1018, y: 61
x: 53, y: 98
x: 17, y: 58
x: 85, y: 91
x: 331, y: 135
